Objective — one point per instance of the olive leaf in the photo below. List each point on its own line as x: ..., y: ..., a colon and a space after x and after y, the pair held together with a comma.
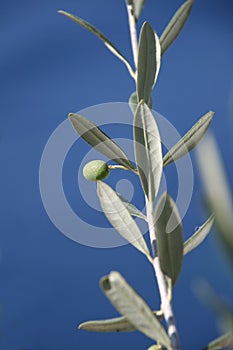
x: 99, y: 140
x: 149, y: 57
x: 169, y: 237
x: 133, y: 307
x: 148, y: 153
x: 120, y: 217
x: 101, y: 36
x: 175, y: 26
x: 217, y: 190
x: 221, y: 342
x: 189, y: 140
x: 198, y: 237
x: 116, y: 324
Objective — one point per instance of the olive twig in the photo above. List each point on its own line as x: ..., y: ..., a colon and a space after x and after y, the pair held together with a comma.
x: 122, y: 167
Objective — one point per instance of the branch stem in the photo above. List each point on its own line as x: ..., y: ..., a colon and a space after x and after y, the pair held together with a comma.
x: 133, y: 31
x: 166, y: 305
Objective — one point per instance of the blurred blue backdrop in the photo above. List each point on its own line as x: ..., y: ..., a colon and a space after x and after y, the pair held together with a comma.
x: 49, y: 66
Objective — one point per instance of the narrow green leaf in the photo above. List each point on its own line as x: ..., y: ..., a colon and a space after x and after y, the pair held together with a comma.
x: 217, y: 190
x: 99, y: 140
x: 120, y: 218
x: 116, y: 324
x: 149, y: 57
x: 189, y: 140
x: 198, y: 237
x: 148, y: 151
x: 175, y: 26
x: 101, y: 36
x: 132, y: 209
x: 169, y: 237
x: 133, y: 307
x: 220, y: 342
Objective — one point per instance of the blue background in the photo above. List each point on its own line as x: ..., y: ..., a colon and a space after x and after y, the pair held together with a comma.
x: 49, y: 67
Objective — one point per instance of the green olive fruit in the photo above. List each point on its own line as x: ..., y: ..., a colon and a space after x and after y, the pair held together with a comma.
x: 96, y: 170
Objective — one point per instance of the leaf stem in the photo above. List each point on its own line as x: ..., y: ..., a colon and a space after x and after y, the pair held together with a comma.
x: 133, y: 31
x: 166, y: 305
x: 122, y: 167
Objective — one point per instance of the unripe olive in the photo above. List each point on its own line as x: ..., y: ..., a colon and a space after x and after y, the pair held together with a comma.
x: 96, y: 170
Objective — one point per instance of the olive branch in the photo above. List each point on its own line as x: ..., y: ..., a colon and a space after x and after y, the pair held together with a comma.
x: 167, y: 247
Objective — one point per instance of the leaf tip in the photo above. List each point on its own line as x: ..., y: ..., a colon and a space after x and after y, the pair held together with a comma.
x: 208, y: 116
x: 145, y: 23
x: 146, y: 26
x: 71, y: 115
x: 80, y: 326
x: 100, y: 186
x: 189, y: 3
x: 105, y: 283
x: 212, y: 113
x: 62, y: 12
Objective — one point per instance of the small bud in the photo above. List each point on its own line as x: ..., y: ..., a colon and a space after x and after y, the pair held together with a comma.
x: 96, y: 170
